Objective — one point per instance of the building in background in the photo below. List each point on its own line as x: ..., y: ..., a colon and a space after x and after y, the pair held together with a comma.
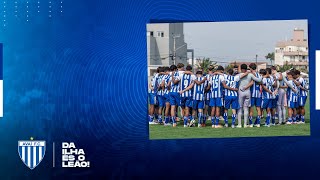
x: 294, y: 51
x: 165, y: 45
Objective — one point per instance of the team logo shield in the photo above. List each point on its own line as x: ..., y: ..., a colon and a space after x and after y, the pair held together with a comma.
x: 31, y: 152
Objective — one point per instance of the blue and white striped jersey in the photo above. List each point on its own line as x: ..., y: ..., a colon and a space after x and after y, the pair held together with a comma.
x: 198, y: 90
x: 255, y: 88
x: 207, y: 94
x: 292, y: 96
x: 233, y: 82
x: 185, y: 81
x: 303, y: 93
x: 158, y: 83
x: 216, y: 86
x: 153, y: 84
x: 167, y: 80
x: 268, y: 83
x: 175, y: 87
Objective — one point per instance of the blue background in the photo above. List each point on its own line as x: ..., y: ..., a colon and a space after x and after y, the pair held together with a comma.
x: 81, y: 76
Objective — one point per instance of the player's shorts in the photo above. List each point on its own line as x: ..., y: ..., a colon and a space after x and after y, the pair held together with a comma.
x: 302, y: 100
x: 244, y: 98
x: 274, y: 103
x: 267, y: 103
x: 162, y: 101
x: 206, y: 102
x: 152, y: 99
x: 186, y: 101
x: 166, y: 98
x: 174, y: 99
x: 256, y: 101
x: 232, y: 101
x: 197, y: 104
x: 292, y: 104
x: 216, y: 102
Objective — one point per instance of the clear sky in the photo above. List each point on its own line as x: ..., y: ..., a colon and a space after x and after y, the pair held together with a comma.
x: 242, y: 40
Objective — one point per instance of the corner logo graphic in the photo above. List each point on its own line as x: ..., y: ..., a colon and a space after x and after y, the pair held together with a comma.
x: 31, y: 152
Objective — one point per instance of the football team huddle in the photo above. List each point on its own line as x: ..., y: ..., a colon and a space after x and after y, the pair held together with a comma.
x: 212, y: 94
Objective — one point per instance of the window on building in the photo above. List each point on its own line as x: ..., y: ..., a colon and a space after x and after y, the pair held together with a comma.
x: 150, y: 33
x: 289, y: 49
x: 160, y: 34
x: 303, y: 57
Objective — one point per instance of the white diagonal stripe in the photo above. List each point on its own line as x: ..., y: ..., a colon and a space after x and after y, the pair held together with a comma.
x: 29, y: 156
x: 40, y: 153
x: 23, y: 154
x: 34, y: 156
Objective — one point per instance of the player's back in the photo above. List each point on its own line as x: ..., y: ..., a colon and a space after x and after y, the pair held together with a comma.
x: 292, y: 96
x: 198, y: 89
x: 175, y: 87
x: 268, y: 83
x: 255, y: 88
x: 216, y: 86
x: 233, y: 82
x: 185, y: 81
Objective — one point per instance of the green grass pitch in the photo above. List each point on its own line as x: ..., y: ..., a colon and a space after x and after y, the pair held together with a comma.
x: 179, y: 132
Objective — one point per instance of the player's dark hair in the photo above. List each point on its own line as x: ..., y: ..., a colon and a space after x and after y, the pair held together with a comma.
x: 189, y: 68
x: 211, y: 68
x: 230, y: 71
x: 161, y: 69
x: 158, y: 69
x: 220, y: 68
x: 268, y: 70
x: 263, y: 72
x: 199, y: 72
x: 173, y: 67
x: 253, y: 66
x: 235, y: 66
x: 166, y: 69
x: 180, y: 65
x: 273, y: 68
x: 244, y: 66
x: 297, y: 72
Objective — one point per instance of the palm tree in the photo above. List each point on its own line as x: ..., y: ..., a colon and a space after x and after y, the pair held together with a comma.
x: 205, y: 63
x: 270, y: 56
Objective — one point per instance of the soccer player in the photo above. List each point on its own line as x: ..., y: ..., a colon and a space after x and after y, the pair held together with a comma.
x: 231, y: 97
x: 274, y: 98
x: 302, y: 96
x: 280, y: 99
x: 267, y: 93
x: 198, y: 96
x: 166, y: 88
x: 292, y: 97
x: 174, y: 93
x: 216, y: 84
x: 244, y: 94
x: 160, y: 94
x: 207, y: 95
x: 256, y: 98
x: 152, y: 97
x: 187, y: 79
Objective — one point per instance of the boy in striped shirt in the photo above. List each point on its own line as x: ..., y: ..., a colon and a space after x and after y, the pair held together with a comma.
x: 174, y: 93
x: 198, y: 96
x: 302, y: 97
x: 256, y: 99
x: 292, y: 96
x: 216, y: 84
x: 187, y: 79
x: 152, y: 97
x: 267, y: 94
x: 231, y: 96
x: 166, y: 89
